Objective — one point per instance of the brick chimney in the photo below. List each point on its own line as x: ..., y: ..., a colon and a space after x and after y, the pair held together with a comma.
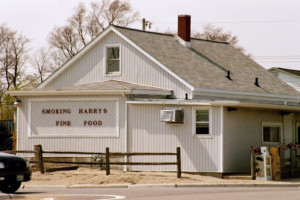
x: 184, y: 30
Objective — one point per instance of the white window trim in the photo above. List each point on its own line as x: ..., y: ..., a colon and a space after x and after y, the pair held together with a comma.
x: 209, y: 136
x: 271, y: 124
x: 105, y: 60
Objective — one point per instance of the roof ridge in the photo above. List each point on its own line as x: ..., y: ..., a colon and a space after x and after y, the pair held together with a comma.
x: 167, y: 34
x: 215, y: 41
x: 152, y: 32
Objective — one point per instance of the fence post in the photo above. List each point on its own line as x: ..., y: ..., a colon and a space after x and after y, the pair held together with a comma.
x: 252, y: 164
x: 107, y: 161
x: 178, y: 163
x: 39, y: 157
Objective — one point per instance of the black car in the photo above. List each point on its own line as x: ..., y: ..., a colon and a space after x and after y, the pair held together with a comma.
x: 13, y: 171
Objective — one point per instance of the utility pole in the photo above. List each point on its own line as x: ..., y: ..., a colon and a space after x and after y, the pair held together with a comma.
x: 146, y: 24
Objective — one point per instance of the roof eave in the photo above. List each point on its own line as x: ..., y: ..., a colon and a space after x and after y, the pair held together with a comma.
x: 88, y: 92
x: 213, y: 103
x: 246, y: 95
x: 151, y: 92
x: 254, y: 105
x: 69, y: 93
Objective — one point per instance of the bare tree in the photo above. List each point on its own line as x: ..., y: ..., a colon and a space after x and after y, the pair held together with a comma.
x: 41, y: 61
x: 78, y: 22
x: 13, y: 56
x: 4, y: 32
x: 84, y: 25
x: 20, y: 56
x: 211, y: 32
x: 64, y: 39
x: 6, y: 58
x: 117, y: 13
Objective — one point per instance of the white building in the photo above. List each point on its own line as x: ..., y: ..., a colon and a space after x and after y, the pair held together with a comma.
x: 112, y: 93
x: 290, y: 76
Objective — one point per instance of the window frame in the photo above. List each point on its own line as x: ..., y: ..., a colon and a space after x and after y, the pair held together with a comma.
x: 297, y: 138
x: 271, y: 124
x: 106, y: 47
x: 194, y: 115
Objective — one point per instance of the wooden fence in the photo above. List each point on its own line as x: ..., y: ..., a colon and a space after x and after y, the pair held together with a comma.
x: 39, y: 158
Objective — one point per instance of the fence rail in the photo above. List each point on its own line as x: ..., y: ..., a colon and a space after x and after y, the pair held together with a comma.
x: 39, y: 158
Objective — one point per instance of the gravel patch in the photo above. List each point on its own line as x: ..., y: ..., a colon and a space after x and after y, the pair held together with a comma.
x: 87, y: 176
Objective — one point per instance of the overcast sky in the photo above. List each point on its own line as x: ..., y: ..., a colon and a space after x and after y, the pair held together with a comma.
x: 268, y: 29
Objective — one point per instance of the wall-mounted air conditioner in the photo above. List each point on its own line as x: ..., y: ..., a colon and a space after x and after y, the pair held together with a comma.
x: 174, y: 116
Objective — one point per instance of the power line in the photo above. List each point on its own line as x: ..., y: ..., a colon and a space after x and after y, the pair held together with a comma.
x: 278, y: 59
x: 252, y: 22
x: 279, y: 56
x: 234, y: 22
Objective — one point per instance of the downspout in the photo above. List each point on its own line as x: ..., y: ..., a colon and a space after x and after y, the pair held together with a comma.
x: 15, y: 131
x: 222, y: 141
x: 126, y: 133
x: 17, y: 115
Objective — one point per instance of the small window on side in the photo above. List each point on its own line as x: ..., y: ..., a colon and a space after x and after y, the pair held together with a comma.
x: 298, y: 134
x: 298, y: 139
x: 112, y: 60
x: 271, y: 133
x: 202, y: 122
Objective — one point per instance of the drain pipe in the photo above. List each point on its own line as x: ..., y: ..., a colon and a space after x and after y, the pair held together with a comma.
x: 126, y: 135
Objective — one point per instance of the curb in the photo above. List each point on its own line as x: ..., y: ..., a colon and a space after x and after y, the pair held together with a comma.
x: 151, y: 185
x: 39, y: 186
x: 99, y: 186
x: 183, y: 185
x: 172, y: 185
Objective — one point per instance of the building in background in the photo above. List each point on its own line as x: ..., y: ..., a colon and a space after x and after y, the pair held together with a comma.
x: 137, y: 91
x: 290, y: 76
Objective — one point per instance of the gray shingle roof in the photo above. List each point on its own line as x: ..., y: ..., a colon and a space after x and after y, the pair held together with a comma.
x: 206, y: 63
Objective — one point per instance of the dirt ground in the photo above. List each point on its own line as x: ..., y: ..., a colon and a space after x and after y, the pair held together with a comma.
x: 95, y: 176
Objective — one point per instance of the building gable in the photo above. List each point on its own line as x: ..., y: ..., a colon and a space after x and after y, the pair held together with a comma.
x: 136, y: 66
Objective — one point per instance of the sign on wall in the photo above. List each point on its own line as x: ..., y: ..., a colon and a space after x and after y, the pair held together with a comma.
x: 74, y: 118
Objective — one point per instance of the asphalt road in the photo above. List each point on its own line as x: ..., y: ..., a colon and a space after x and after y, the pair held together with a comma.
x: 157, y: 193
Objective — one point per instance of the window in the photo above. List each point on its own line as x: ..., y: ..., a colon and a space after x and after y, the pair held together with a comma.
x: 112, y: 60
x: 271, y: 133
x: 201, y: 122
x: 297, y: 139
x: 298, y: 134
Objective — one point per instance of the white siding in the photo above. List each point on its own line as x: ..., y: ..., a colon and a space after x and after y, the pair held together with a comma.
x: 69, y: 143
x: 135, y: 68
x: 292, y: 80
x: 148, y: 134
x: 243, y: 129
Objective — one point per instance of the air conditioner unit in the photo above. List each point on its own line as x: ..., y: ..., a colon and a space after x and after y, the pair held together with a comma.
x: 172, y: 116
